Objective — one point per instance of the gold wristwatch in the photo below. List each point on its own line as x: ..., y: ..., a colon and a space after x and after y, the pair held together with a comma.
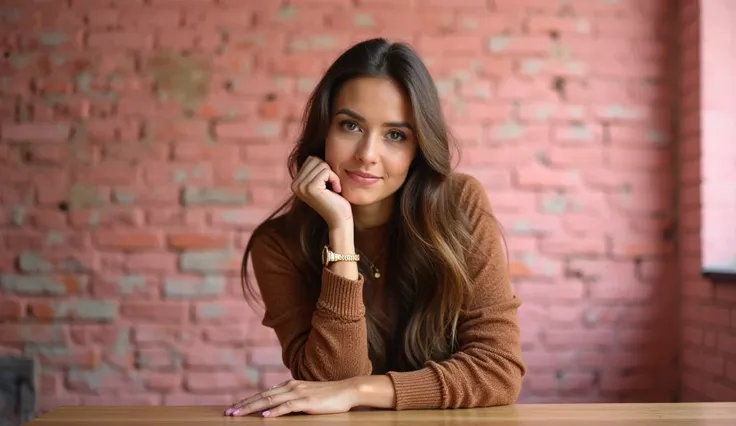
x: 329, y: 256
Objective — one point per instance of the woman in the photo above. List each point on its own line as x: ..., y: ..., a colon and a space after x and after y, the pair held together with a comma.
x: 384, y: 279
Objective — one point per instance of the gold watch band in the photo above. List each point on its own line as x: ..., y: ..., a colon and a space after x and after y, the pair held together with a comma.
x: 328, y: 256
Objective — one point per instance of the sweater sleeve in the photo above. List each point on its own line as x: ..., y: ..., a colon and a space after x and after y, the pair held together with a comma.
x: 323, y: 339
x: 487, y: 369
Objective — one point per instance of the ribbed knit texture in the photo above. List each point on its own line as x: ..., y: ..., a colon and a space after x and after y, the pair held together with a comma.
x: 322, y: 328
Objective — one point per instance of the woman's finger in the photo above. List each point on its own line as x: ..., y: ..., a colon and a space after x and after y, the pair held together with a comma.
x: 266, y: 403
x: 305, y: 170
x: 310, y: 178
x: 273, y: 390
x: 290, y: 406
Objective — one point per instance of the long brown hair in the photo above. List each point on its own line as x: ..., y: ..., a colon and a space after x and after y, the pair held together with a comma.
x: 428, y: 279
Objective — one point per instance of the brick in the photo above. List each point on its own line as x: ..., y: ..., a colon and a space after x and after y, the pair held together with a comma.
x: 545, y: 25
x: 129, y: 40
x: 243, y: 218
x: 628, y: 158
x: 171, y: 174
x: 539, y: 176
x: 188, y: 287
x: 103, y: 18
x: 571, y: 156
x: 103, y: 378
x: 276, y: 154
x: 79, y: 309
x: 518, y: 88
x: 151, y: 262
x: 505, y: 155
x: 177, y: 217
x: 44, y: 285
x: 158, y: 195
x: 196, y: 151
x: 144, y: 334
x: 317, y: 42
x: 578, y: 133
x: 235, y: 131
x: 552, y: 111
x: 107, y: 217
x: 527, y: 6
x: 563, y: 245
x: 727, y: 343
x: 175, y: 130
x: 214, y: 196
x: 138, y: 399
x: 554, y: 291
x: 519, y: 45
x: 154, y: 312
x: 210, y: 261
x: 222, y: 312
x: 34, y: 333
x: 579, y: 338
x: 126, y: 286
x: 152, y: 18
x: 56, y: 261
x: 193, y: 240
x: 211, y: 357
x: 553, y: 68
x: 189, y: 399
x: 451, y: 45
x: 62, y: 356
x: 216, y: 382
x: 11, y: 310
x: 133, y: 152
x: 266, y: 357
x: 161, y: 381
x: 128, y: 240
x: 36, y: 132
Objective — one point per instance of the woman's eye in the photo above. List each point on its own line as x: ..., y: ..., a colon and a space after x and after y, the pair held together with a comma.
x: 395, y: 135
x: 349, y: 125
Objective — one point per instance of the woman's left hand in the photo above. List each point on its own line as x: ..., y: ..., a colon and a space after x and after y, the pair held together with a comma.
x: 299, y: 396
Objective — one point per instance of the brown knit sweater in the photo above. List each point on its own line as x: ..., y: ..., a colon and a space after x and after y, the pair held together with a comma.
x: 322, y: 328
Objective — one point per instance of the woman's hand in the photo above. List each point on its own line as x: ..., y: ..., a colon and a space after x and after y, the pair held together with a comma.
x: 310, y: 185
x: 299, y: 396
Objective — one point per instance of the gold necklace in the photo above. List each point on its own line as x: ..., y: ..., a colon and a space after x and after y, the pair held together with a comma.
x: 374, y: 269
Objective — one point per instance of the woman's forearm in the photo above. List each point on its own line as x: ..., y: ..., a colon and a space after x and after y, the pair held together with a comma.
x: 374, y: 391
x: 342, y: 241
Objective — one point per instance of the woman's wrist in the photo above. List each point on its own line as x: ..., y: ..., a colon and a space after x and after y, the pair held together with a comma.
x: 342, y: 241
x: 373, y: 391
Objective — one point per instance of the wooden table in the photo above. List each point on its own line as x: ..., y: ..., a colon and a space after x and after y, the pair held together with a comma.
x: 675, y: 414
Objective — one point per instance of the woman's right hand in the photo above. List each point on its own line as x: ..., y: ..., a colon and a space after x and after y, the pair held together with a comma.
x: 310, y: 185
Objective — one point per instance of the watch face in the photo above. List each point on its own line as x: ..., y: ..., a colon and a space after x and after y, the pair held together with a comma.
x: 324, y: 255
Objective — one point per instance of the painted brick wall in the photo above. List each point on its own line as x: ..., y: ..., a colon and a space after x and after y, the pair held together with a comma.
x: 142, y: 140
x: 708, y: 353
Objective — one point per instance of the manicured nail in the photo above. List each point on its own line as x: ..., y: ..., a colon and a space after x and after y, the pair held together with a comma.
x: 266, y: 413
x: 228, y: 411
x: 235, y: 413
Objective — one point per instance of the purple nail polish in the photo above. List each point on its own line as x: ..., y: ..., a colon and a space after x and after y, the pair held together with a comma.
x: 266, y: 413
x: 228, y: 411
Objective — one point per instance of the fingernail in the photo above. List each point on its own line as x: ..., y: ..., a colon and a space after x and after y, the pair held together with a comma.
x: 235, y: 413
x: 228, y: 411
x: 266, y: 413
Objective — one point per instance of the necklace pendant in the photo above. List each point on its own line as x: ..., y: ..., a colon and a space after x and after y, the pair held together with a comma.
x: 375, y: 271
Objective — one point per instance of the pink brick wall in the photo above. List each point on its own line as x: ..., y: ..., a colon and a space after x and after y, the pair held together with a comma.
x: 141, y: 141
x: 707, y: 157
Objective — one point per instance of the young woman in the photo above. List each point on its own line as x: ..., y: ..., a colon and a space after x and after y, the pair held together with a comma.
x: 384, y: 276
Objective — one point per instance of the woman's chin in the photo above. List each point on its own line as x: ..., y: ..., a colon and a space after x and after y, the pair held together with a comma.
x: 358, y: 197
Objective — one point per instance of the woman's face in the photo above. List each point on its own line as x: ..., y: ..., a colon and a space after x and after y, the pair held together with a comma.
x: 371, y: 141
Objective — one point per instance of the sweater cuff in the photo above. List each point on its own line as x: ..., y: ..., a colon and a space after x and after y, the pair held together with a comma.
x: 417, y: 390
x: 341, y: 297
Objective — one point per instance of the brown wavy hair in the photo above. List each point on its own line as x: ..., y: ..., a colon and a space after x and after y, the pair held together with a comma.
x: 429, y: 281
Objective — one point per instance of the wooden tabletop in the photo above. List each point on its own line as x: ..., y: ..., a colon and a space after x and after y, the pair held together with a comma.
x: 674, y: 414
